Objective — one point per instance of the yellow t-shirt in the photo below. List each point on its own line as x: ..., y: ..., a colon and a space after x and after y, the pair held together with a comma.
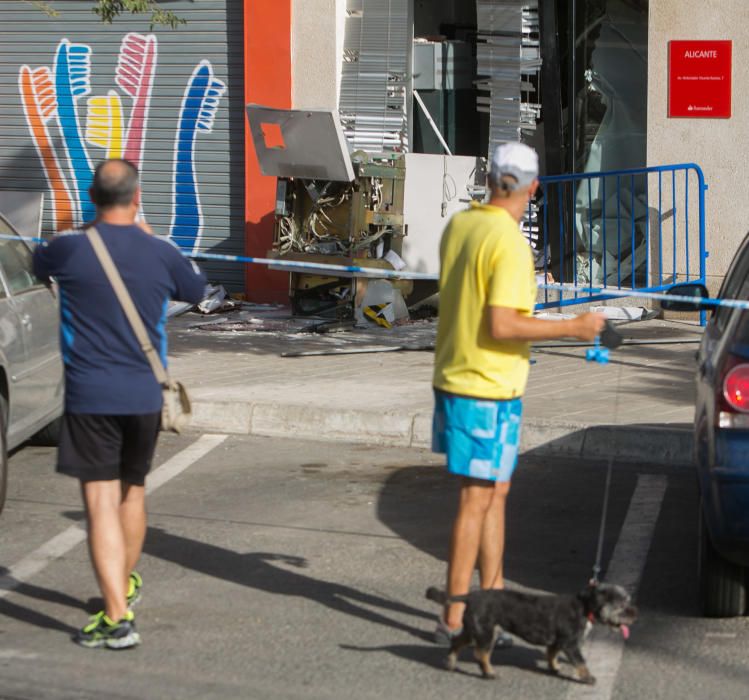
x: 485, y: 261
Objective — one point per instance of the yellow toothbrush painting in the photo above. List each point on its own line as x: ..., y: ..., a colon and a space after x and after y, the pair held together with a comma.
x: 104, y: 123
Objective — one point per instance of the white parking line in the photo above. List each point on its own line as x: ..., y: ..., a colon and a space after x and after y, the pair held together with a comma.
x: 603, y: 651
x: 182, y: 460
x: 17, y: 655
x: 61, y: 544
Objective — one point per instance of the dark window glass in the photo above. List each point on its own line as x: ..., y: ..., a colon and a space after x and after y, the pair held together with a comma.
x: 16, y: 261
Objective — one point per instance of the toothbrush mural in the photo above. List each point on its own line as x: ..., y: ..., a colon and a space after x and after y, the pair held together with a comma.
x: 53, y: 99
x: 199, y: 107
x: 135, y: 72
x: 40, y: 106
x: 104, y: 123
x: 72, y: 74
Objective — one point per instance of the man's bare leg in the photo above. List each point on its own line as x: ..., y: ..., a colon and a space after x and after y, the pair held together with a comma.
x: 106, y: 542
x: 475, y: 499
x: 133, y: 521
x: 492, y: 548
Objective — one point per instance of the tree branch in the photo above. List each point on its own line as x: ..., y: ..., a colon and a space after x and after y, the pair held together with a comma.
x: 44, y: 7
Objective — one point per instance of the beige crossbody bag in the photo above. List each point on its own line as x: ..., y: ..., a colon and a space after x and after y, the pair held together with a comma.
x: 176, y: 410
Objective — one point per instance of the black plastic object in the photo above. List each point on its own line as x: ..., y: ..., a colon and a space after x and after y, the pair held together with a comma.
x: 610, y: 337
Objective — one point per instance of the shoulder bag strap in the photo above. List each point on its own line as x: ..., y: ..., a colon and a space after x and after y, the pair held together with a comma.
x: 127, y: 305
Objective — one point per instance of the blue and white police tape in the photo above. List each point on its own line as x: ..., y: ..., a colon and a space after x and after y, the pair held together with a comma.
x: 359, y: 271
x: 302, y: 266
x: 290, y: 265
x: 381, y: 273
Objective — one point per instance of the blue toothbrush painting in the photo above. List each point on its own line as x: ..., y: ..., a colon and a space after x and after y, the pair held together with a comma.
x: 72, y: 77
x: 199, y: 106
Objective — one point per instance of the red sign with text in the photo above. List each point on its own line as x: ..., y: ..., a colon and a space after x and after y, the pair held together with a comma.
x: 699, y: 80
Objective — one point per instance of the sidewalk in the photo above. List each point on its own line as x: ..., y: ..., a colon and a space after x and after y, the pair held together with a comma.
x: 637, y: 408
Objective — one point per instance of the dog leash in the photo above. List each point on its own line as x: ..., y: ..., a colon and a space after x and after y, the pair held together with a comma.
x: 595, y: 580
x: 611, y: 339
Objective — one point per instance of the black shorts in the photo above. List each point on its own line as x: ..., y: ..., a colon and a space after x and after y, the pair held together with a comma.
x: 103, y: 448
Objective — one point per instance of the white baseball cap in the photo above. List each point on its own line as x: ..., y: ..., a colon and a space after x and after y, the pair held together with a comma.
x: 515, y: 159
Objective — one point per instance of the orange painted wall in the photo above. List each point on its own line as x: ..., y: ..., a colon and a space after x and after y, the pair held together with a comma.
x: 267, y: 81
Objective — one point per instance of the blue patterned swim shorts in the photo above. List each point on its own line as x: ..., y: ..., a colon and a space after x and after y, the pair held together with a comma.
x: 480, y: 437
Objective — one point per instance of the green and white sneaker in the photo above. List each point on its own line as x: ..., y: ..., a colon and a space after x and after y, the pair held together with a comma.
x: 134, y: 584
x: 103, y: 633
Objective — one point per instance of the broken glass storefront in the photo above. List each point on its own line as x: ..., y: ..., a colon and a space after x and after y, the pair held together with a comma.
x: 594, y: 115
x: 583, y: 107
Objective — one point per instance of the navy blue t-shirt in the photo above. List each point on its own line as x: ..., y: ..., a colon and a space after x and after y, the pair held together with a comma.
x: 106, y: 371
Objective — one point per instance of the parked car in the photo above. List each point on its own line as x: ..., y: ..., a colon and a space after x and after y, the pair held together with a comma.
x: 721, y: 444
x: 31, y: 370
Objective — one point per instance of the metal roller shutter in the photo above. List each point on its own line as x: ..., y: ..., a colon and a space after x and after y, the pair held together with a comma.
x: 75, y: 90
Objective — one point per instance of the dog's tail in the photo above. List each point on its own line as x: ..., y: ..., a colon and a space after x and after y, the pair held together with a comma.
x: 441, y: 597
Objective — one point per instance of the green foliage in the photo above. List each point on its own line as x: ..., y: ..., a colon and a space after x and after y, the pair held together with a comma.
x: 109, y: 10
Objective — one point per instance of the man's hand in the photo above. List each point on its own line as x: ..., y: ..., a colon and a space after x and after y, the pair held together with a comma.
x: 589, y: 326
x: 145, y: 226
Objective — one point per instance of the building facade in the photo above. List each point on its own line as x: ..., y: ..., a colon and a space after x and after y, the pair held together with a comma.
x: 593, y: 95
x: 715, y: 144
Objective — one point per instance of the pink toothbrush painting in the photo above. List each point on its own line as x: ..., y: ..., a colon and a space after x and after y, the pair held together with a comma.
x: 136, y: 68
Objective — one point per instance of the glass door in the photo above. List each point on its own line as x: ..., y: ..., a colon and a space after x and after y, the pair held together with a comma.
x: 594, y: 114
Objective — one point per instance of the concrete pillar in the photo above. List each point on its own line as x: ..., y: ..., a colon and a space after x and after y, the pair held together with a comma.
x: 317, y: 28
x: 717, y: 145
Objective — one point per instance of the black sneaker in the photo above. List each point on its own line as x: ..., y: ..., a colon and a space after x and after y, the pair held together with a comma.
x: 101, y: 632
x: 134, y: 584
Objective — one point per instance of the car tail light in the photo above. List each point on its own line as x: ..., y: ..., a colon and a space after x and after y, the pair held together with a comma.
x: 733, y: 403
x: 736, y: 388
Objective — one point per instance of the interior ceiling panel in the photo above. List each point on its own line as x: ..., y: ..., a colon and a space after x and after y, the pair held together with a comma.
x: 375, y: 77
x: 508, y: 54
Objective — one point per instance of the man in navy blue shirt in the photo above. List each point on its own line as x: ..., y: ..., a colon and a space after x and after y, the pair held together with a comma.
x: 112, y: 399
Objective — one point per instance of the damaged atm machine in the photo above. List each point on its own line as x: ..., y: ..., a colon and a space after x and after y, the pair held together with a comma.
x: 355, y: 208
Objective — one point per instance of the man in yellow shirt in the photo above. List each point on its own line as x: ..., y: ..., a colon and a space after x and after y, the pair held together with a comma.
x: 487, y: 296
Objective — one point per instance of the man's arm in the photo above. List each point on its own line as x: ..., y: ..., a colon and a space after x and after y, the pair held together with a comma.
x: 42, y: 263
x: 511, y: 324
x: 189, y: 281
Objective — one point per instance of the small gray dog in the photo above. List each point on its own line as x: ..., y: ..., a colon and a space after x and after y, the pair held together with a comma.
x: 558, y: 622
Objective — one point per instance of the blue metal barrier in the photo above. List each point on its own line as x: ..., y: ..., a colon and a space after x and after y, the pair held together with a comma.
x: 601, y: 229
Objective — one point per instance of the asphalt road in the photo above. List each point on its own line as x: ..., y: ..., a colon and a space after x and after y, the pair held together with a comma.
x: 283, y: 569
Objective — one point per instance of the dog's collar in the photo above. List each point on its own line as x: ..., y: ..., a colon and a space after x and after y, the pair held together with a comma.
x: 591, y: 618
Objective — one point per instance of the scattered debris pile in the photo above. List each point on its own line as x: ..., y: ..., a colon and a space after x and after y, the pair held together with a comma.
x: 382, y: 305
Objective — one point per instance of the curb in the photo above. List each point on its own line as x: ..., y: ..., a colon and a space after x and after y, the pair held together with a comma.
x: 655, y: 444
